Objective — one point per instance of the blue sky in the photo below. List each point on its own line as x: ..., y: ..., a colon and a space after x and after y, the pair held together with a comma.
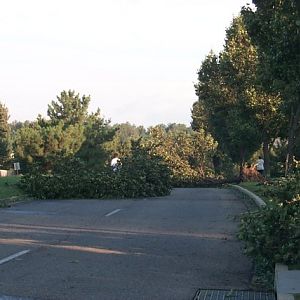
x: 137, y: 59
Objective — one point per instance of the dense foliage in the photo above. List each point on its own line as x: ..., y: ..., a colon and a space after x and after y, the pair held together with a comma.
x: 222, y: 91
x: 188, y: 154
x: 272, y: 234
x: 69, y: 131
x: 141, y: 175
x: 231, y: 104
x: 97, y: 132
x: 5, y: 139
x: 274, y: 27
x: 125, y: 135
x: 249, y: 92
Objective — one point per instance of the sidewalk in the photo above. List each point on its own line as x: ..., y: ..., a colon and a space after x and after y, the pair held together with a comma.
x: 287, y: 282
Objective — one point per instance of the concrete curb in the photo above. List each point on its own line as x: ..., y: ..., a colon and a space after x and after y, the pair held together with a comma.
x: 286, y: 282
x: 254, y: 197
x: 15, y: 201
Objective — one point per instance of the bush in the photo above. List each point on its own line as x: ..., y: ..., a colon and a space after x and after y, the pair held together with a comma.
x: 272, y: 234
x: 144, y: 175
x: 140, y: 176
x: 284, y: 189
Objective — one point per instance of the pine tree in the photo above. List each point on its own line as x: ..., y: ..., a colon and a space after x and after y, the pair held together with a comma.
x: 69, y: 108
x: 5, y: 144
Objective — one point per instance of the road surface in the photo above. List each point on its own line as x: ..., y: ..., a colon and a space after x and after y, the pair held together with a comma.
x: 155, y: 248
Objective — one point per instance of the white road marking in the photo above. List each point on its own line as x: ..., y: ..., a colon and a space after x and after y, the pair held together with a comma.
x: 113, y: 212
x: 11, y: 257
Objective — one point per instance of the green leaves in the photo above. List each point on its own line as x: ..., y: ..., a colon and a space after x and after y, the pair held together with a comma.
x: 222, y: 91
x: 140, y: 176
x: 70, y: 132
x: 272, y: 234
x: 187, y: 153
x: 274, y: 31
x: 69, y: 108
x: 125, y: 134
x: 5, y: 141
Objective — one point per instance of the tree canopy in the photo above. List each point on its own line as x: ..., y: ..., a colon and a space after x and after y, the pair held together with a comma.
x: 274, y: 27
x: 69, y: 131
x: 5, y: 138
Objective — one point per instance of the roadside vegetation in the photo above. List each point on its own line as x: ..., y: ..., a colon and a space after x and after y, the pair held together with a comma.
x: 140, y: 176
x: 271, y: 234
x: 258, y: 188
x: 11, y: 191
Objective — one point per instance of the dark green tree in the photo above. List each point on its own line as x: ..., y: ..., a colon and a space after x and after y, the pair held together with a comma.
x: 34, y: 143
x: 5, y: 137
x: 274, y: 27
x: 28, y: 144
x: 97, y: 133
x: 268, y: 117
x: 199, y: 116
x: 69, y: 108
x: 70, y: 131
x: 238, y: 63
x: 222, y: 101
x: 232, y: 104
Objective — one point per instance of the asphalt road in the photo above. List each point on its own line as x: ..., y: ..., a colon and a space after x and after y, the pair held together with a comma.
x: 158, y: 248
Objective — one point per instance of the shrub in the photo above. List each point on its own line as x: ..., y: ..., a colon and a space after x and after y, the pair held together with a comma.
x: 140, y: 176
x: 284, y: 189
x: 272, y: 234
x: 144, y: 175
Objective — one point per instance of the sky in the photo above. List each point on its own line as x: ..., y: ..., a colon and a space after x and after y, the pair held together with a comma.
x: 137, y: 59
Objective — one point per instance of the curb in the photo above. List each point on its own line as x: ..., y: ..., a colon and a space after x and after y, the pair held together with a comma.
x: 14, y: 200
x: 281, y: 272
x: 259, y: 202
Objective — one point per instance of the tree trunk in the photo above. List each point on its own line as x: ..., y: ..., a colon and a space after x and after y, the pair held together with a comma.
x: 294, y: 124
x: 266, y: 152
x: 242, y: 162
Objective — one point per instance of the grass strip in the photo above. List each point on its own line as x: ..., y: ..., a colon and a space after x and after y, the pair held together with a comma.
x: 257, y: 188
x: 10, y: 191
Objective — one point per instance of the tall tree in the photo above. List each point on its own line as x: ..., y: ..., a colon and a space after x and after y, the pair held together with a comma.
x: 69, y: 108
x: 238, y: 63
x: 5, y: 138
x: 268, y: 117
x: 222, y: 91
x: 238, y: 110
x: 97, y: 133
x: 69, y: 132
x: 274, y: 27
